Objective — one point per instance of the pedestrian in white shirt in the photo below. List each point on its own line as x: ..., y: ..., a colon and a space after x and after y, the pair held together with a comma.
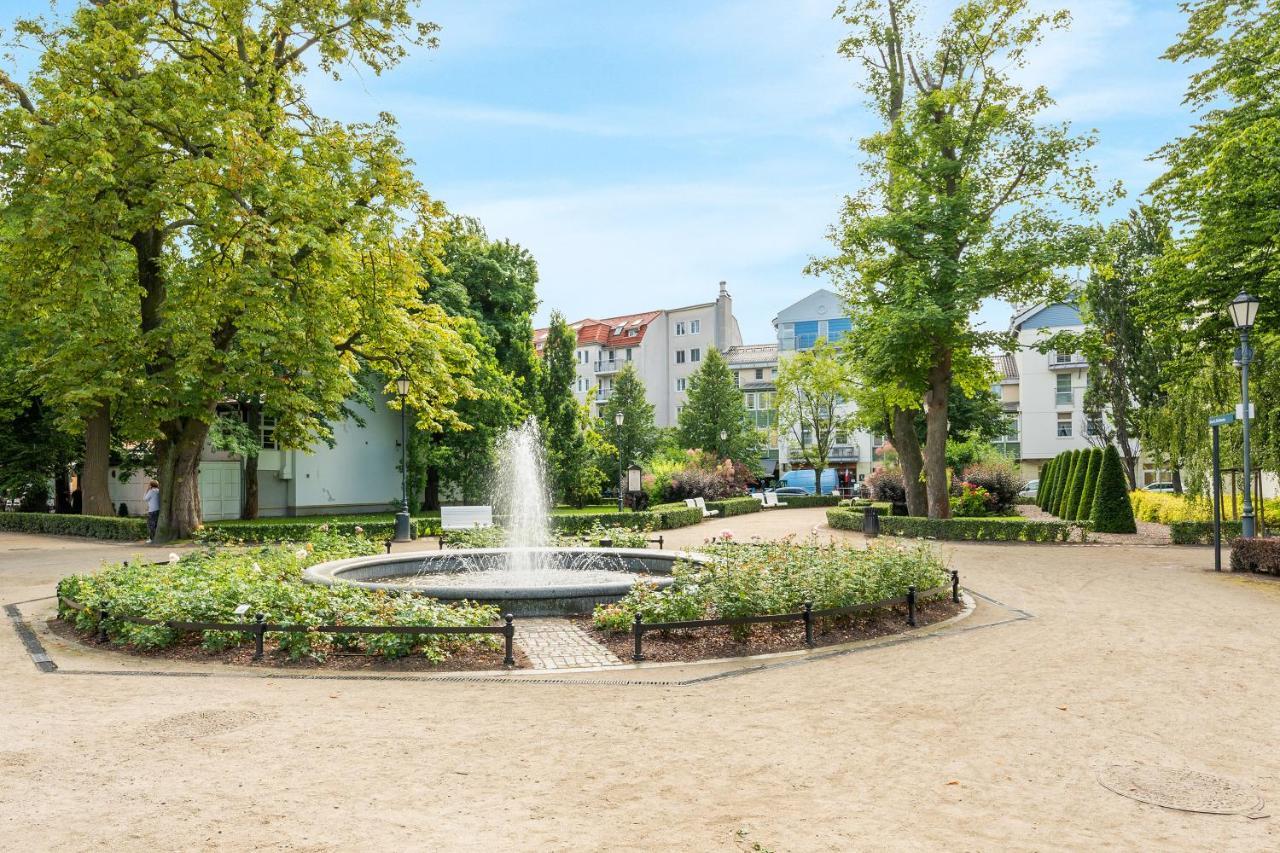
x: 152, y: 497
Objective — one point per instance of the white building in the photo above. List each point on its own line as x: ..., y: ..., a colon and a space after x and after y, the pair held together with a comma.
x: 822, y: 315
x: 665, y: 346
x: 359, y: 473
x: 755, y: 372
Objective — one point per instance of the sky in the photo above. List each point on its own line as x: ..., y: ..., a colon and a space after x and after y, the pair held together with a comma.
x: 643, y: 152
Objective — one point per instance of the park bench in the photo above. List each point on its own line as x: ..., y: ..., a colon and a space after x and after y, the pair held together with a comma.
x: 771, y: 500
x: 463, y: 518
x: 699, y: 503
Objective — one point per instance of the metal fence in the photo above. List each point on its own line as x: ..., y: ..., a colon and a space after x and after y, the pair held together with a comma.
x: 807, y: 615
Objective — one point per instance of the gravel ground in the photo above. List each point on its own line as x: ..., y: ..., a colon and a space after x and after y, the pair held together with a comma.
x: 1149, y: 533
x: 988, y: 737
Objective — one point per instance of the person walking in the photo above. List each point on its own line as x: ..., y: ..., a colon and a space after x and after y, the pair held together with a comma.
x: 152, y: 497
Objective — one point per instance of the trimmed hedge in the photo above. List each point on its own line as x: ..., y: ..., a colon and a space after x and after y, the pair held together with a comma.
x: 674, y: 515
x: 806, y: 501
x: 1255, y: 555
x: 1112, y: 512
x: 90, y: 526
x: 842, y: 518
x: 1075, y: 485
x: 735, y: 506
x: 1200, y: 532
x: 1092, y: 469
x: 980, y: 529
x: 260, y: 531
x: 1046, y: 485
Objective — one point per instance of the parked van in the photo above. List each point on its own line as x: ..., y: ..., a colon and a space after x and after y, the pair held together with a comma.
x: 804, y: 479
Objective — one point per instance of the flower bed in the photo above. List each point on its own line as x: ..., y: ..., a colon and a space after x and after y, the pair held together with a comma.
x: 91, y: 526
x: 771, y: 578
x: 209, y: 585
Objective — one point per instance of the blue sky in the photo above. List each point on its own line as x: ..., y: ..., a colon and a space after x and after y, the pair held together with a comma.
x: 645, y: 151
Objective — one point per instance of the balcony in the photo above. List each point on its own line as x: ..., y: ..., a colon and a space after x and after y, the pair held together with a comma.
x: 1066, y: 361
x: 609, y: 366
x: 840, y: 453
x: 763, y: 419
x: 602, y: 394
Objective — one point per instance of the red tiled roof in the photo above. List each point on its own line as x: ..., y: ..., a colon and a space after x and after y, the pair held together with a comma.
x: 609, y: 332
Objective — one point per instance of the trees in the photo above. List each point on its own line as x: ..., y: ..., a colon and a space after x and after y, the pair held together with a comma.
x: 1085, y: 506
x: 715, y: 406
x: 1075, y: 488
x: 572, y: 444
x: 811, y: 387
x: 489, y: 287
x: 969, y: 196
x: 254, y: 248
x: 637, y: 438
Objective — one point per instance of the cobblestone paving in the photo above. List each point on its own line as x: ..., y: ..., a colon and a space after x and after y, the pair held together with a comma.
x: 559, y: 644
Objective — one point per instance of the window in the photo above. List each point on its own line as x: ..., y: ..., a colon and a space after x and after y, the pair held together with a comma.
x: 680, y: 328
x: 1063, y: 397
x: 759, y: 373
x: 679, y: 356
x: 1093, y: 425
x: 695, y: 326
x: 837, y: 329
x: 1062, y: 358
x: 612, y: 355
x: 267, y: 433
x: 695, y: 355
x: 628, y: 353
x: 680, y: 384
x: 750, y: 400
x: 737, y: 379
x: 1064, y: 425
x: 617, y: 330
x: 631, y: 333
x: 773, y: 372
x: 806, y: 334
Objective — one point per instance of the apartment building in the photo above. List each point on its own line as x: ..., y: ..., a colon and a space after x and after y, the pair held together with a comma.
x: 665, y: 346
x: 755, y: 372
x: 799, y: 326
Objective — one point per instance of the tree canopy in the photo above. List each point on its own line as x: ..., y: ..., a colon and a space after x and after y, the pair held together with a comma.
x: 715, y: 406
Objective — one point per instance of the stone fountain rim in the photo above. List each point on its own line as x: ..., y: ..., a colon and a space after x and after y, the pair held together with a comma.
x: 329, y: 574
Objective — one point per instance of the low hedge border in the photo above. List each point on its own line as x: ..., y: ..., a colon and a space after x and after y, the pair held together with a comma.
x: 1200, y: 532
x: 806, y: 501
x: 735, y: 506
x: 674, y: 515
x: 91, y: 526
x: 298, y: 531
x: 961, y: 529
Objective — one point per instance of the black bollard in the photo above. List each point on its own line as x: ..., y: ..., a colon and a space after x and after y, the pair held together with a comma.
x: 808, y: 623
x: 638, y: 630
x: 260, y: 632
x: 911, y: 605
x: 509, y: 633
x: 955, y: 586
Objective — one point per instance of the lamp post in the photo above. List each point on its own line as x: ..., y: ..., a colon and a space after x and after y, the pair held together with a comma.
x: 402, y: 517
x: 724, y: 436
x: 618, y: 418
x: 1244, y: 308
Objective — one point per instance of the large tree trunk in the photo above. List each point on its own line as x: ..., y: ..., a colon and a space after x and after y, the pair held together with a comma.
x: 817, y: 479
x: 936, y: 400
x: 431, y: 495
x: 95, y: 494
x: 1177, y: 479
x: 178, y: 463
x: 902, y: 432
x: 249, y: 510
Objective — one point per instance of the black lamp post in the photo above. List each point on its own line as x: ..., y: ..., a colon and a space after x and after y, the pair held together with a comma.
x: 724, y: 436
x: 618, y: 419
x: 402, y: 517
x: 1244, y: 308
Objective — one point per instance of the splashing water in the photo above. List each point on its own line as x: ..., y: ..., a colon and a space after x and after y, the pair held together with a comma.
x: 520, y: 496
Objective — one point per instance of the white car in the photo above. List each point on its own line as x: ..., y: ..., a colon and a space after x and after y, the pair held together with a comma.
x: 1166, y: 488
x: 1030, y: 490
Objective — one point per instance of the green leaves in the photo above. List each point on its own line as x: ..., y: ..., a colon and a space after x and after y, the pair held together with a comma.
x: 715, y: 405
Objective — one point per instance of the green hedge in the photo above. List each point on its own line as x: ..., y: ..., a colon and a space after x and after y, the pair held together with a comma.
x: 980, y: 529
x: 806, y: 501
x: 845, y: 519
x: 1112, y: 512
x: 675, y: 515
x: 735, y: 506
x: 91, y: 526
x: 1201, y: 532
x: 285, y: 530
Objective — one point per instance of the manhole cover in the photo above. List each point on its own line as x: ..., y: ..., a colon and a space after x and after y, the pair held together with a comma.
x: 1184, y: 790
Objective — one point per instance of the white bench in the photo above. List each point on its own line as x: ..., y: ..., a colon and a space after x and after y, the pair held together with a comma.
x: 771, y: 500
x: 464, y: 518
x: 699, y: 503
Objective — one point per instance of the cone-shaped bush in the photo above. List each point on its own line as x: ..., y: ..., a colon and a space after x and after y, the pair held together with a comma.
x: 1047, y: 503
x: 1090, y: 484
x: 1060, y: 490
x: 1046, y: 480
x: 1064, y: 503
x: 1074, y: 497
x: 1112, y: 512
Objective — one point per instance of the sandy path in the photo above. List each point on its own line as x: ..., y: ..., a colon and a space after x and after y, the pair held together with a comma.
x: 984, y: 739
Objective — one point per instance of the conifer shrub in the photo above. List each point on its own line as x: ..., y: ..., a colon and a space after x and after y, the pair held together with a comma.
x: 1090, y: 484
x: 1112, y: 512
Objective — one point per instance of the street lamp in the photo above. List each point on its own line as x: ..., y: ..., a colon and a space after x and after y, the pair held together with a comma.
x: 618, y: 418
x: 402, y: 517
x: 1244, y: 308
x: 724, y: 436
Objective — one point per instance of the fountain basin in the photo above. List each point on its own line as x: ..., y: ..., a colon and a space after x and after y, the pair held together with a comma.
x: 576, y: 579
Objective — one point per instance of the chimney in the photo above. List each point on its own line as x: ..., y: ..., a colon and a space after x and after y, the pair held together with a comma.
x: 724, y: 318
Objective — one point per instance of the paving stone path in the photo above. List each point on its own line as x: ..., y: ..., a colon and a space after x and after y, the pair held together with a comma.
x: 559, y: 644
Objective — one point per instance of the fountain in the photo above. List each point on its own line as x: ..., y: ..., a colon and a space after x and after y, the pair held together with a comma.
x: 529, y: 576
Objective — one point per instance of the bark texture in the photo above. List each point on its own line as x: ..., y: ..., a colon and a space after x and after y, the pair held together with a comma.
x: 907, y: 443
x: 95, y: 493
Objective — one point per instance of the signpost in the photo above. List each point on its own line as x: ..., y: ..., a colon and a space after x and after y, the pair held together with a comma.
x: 1215, y: 422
